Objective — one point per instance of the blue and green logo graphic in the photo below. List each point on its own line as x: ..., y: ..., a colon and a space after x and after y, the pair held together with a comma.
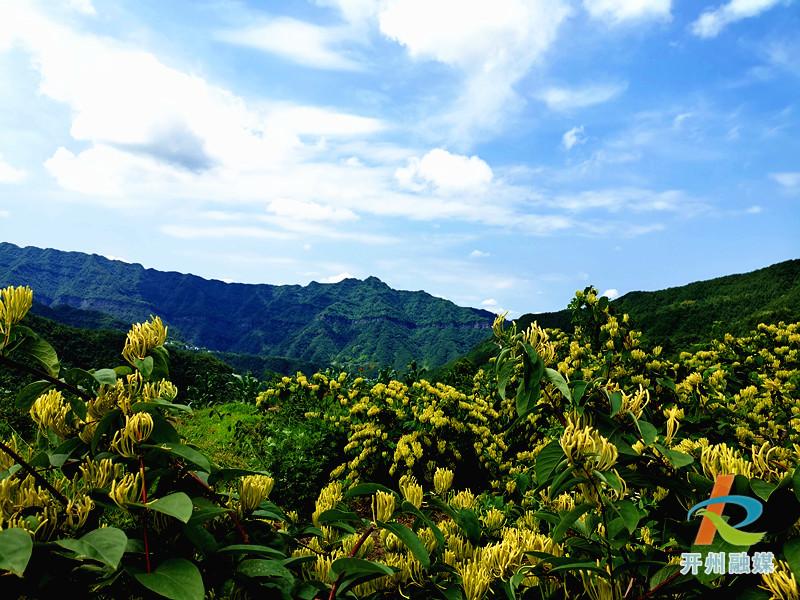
x: 713, y: 523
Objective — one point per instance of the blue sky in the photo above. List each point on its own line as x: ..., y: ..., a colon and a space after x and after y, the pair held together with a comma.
x: 500, y: 153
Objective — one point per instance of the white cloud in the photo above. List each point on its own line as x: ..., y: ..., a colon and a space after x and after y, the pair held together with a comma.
x: 188, y: 232
x: 82, y: 6
x: 611, y: 293
x: 628, y: 199
x: 298, y: 209
x: 565, y: 99
x: 9, y: 174
x: 619, y: 11
x: 573, y: 137
x: 445, y: 172
x: 493, y: 44
x: 489, y: 302
x: 4, y: 214
x: 712, y: 22
x: 301, y: 42
x: 788, y: 179
x: 336, y: 278
x: 754, y: 210
x: 478, y: 254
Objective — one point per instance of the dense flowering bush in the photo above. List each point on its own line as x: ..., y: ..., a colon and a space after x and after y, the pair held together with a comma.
x: 565, y: 470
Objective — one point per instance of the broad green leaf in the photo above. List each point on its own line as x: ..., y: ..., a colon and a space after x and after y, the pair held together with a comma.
x: 105, y: 376
x: 629, y: 513
x: 176, y: 579
x: 177, y: 505
x: 333, y: 515
x: 558, y: 380
x: 359, y: 566
x: 616, y: 402
x: 252, y: 549
x: 257, y: 567
x: 16, y: 547
x: 663, y: 574
x: 28, y: 395
x: 762, y: 489
x: 367, y: 489
x: 144, y: 366
x: 412, y: 542
x: 160, y: 356
x: 648, y: 431
x: 188, y: 453
x: 469, y: 523
x: 105, y: 545
x: 547, y: 460
x: 569, y: 519
x: 37, y: 348
x: 791, y: 552
x: 578, y: 389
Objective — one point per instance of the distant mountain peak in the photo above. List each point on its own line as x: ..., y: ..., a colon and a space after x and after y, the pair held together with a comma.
x: 355, y: 322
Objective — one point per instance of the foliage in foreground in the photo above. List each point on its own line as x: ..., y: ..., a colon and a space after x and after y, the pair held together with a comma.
x: 566, y: 472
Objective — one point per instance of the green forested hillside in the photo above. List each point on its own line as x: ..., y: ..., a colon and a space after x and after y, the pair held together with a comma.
x: 360, y: 324
x: 678, y: 317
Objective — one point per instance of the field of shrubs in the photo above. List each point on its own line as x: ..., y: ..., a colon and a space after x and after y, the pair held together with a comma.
x: 564, y: 469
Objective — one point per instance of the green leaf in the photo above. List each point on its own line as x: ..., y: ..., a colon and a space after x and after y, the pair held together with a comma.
x: 188, y: 453
x: 105, y: 545
x: 28, y: 395
x: 569, y: 519
x: 160, y: 357
x: 796, y: 482
x: 791, y: 552
x: 648, y: 432
x: 547, y: 460
x: 663, y: 574
x: 144, y: 366
x: 40, y: 350
x: 252, y: 549
x: 616, y: 402
x: 504, y: 369
x: 629, y: 513
x: 412, y: 542
x: 558, y: 380
x: 78, y: 407
x: 578, y: 389
x: 177, y: 505
x: 258, y: 567
x: 16, y: 547
x: 359, y: 566
x: 469, y: 523
x: 105, y: 376
x: 762, y: 489
x: 334, y: 514
x: 176, y: 579
x: 367, y: 489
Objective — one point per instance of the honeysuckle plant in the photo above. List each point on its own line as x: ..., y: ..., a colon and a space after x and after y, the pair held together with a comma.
x: 565, y: 470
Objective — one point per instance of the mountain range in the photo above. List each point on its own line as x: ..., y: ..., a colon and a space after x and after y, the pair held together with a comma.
x: 353, y: 323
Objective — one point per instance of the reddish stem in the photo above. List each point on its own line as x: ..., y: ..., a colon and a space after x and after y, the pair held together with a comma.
x: 144, y: 516
x: 353, y: 552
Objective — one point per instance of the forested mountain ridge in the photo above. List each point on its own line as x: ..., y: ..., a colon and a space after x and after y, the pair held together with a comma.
x: 696, y: 312
x: 351, y: 323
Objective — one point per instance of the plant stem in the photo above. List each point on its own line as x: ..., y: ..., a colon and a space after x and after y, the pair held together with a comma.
x: 39, y: 479
x: 355, y: 549
x: 144, y: 516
